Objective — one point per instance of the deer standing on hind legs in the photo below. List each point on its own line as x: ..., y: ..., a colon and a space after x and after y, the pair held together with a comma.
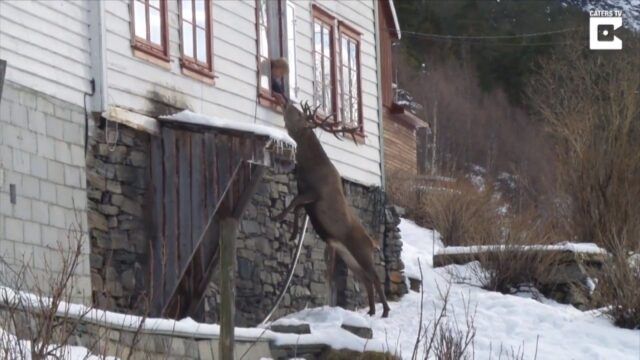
x: 320, y: 193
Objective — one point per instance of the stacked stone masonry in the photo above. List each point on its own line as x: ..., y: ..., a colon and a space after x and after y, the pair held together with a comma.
x: 42, y: 162
x: 117, y: 179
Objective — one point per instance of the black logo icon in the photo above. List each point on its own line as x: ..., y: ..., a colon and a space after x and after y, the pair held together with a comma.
x: 606, y: 32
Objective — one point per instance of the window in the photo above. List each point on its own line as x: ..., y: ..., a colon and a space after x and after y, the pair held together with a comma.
x: 276, y: 25
x: 291, y: 50
x: 195, y: 30
x: 350, y: 88
x: 337, y: 86
x: 324, y: 89
x: 149, y: 27
x: 269, y: 40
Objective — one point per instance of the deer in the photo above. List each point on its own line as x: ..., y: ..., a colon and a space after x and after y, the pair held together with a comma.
x: 320, y: 193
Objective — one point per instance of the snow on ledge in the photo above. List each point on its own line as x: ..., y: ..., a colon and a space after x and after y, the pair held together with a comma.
x: 278, y: 135
x: 327, y: 331
x: 583, y: 248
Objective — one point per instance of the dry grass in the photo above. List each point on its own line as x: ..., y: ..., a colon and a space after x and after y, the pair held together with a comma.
x: 462, y: 214
x: 510, y: 267
x: 618, y: 290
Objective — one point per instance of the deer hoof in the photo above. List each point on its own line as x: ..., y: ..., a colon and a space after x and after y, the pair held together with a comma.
x: 372, y: 312
x: 385, y: 313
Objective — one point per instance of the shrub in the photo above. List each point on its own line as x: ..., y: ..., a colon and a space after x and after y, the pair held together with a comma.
x: 590, y: 104
x: 507, y: 268
x: 618, y: 289
x: 463, y: 213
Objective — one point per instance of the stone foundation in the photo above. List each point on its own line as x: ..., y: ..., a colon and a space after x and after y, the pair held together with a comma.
x: 117, y: 179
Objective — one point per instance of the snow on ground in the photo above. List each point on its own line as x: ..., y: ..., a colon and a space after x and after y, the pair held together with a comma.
x: 501, y: 320
x: 20, y: 349
x: 586, y: 248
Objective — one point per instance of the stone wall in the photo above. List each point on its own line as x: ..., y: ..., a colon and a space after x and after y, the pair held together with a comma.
x: 42, y: 186
x: 265, y: 254
x: 117, y: 178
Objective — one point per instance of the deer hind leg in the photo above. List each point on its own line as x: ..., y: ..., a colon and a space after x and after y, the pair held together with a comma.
x: 381, y: 294
x: 369, y: 271
x: 371, y: 295
x: 362, y: 269
x: 299, y: 200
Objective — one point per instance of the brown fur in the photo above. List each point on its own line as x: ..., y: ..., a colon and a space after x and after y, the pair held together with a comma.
x: 320, y: 193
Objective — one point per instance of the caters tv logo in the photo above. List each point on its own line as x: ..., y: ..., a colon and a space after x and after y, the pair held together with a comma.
x: 602, y: 27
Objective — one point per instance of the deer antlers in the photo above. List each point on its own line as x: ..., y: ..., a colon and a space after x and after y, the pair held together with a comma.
x: 325, y: 123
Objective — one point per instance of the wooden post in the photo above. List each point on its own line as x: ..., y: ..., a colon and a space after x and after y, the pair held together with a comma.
x: 228, y: 233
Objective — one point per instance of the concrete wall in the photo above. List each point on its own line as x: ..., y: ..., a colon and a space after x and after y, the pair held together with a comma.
x: 42, y: 155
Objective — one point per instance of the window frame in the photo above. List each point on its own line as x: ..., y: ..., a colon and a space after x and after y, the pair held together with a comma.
x: 188, y: 63
x: 323, y: 16
x: 146, y: 45
x: 338, y: 29
x: 351, y: 33
x: 264, y: 95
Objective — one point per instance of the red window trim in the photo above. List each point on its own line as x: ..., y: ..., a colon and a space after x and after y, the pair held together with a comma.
x: 264, y: 95
x: 144, y: 45
x: 192, y: 64
x: 351, y: 33
x: 325, y: 17
x: 339, y: 27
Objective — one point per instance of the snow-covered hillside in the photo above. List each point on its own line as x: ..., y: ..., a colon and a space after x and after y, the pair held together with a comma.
x: 503, y: 322
x: 506, y: 321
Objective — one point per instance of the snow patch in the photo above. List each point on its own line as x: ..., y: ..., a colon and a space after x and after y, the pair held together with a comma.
x: 278, y: 135
x: 583, y: 248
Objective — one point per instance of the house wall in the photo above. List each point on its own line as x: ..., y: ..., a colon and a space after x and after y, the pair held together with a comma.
x: 399, y: 147
x: 46, y: 45
x: 42, y: 156
x: 140, y: 85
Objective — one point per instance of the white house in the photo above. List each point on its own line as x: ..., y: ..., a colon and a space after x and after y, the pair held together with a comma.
x: 130, y: 61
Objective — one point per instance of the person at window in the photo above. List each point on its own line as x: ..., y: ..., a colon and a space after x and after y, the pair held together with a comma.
x: 279, y: 69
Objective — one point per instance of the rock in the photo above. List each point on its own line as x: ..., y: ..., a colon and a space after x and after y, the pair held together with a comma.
x: 113, y: 186
x: 396, y: 276
x: 245, y: 268
x: 414, y: 284
x: 291, y: 329
x: 97, y: 220
x: 128, y: 280
x: 138, y: 158
x: 363, y: 332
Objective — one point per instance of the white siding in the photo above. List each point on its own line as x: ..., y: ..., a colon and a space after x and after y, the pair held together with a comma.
x: 46, y: 45
x: 132, y: 81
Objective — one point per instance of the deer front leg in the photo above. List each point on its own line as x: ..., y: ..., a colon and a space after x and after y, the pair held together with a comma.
x: 299, y: 200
